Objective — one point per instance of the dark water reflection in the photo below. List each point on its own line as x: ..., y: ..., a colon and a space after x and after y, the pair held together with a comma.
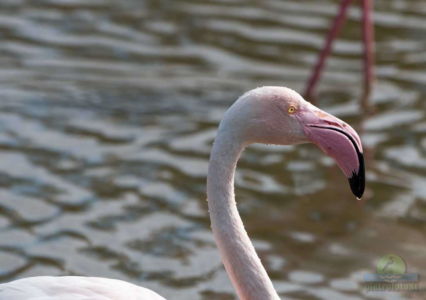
x: 107, y: 113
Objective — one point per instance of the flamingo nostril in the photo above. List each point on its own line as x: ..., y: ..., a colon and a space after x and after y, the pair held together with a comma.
x: 332, y: 123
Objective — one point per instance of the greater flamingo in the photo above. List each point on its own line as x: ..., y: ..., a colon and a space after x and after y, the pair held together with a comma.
x: 368, y: 57
x: 269, y: 115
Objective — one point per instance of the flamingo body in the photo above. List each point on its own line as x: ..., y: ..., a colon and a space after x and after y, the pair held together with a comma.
x: 268, y: 115
x: 74, y: 288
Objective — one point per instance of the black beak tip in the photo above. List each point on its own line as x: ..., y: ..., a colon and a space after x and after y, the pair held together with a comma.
x: 357, y: 184
x: 357, y: 180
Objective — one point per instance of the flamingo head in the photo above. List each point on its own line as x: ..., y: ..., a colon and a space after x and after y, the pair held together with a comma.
x: 278, y: 115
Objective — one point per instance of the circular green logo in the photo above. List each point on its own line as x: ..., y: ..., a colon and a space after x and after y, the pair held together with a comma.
x: 391, y: 264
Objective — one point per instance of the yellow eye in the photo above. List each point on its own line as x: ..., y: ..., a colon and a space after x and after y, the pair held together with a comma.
x: 291, y: 109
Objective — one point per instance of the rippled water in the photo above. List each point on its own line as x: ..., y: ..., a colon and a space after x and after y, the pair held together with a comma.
x: 107, y: 113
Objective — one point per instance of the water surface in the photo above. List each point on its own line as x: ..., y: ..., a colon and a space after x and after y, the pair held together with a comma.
x: 107, y: 113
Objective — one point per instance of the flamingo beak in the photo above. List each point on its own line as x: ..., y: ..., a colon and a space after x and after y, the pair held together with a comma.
x: 338, y: 140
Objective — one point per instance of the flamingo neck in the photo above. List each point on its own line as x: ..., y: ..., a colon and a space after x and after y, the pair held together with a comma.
x: 239, y: 257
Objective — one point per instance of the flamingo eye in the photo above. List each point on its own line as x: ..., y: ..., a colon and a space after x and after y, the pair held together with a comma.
x: 291, y: 109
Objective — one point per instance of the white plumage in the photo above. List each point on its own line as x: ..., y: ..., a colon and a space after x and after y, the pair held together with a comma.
x: 74, y: 288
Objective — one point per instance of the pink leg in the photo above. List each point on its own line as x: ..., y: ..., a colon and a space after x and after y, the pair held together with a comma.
x: 335, y: 28
x: 368, y: 37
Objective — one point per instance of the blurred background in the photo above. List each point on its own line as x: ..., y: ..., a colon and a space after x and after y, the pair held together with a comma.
x: 108, y: 110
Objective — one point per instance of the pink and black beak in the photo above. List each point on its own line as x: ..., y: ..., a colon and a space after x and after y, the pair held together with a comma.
x: 338, y: 140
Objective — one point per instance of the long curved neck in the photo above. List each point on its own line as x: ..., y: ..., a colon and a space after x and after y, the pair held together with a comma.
x: 241, y: 262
